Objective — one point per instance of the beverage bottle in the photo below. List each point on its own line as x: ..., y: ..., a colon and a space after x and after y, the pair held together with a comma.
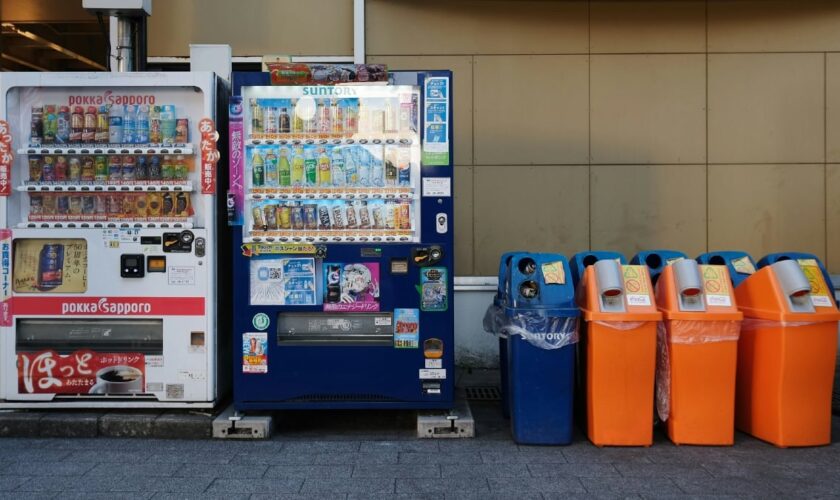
x: 377, y: 173
x: 324, y: 168
x: 338, y: 173
x: 36, y: 131
x: 62, y: 135
x: 324, y: 124
x: 390, y: 171
x: 390, y: 117
x: 350, y: 212
x: 142, y: 135
x: 269, y: 120
x: 181, y: 168
x: 77, y: 123
x: 270, y: 168
x: 256, y: 117
x: 167, y: 124
x: 351, y: 172
x: 102, y: 133
x: 130, y: 125
x: 363, y: 165
x: 74, y: 169
x: 89, y: 126
x: 351, y: 118
x: 337, y: 119
x: 141, y: 170
x: 48, y: 169
x: 182, y: 130
x: 391, y: 214
x: 405, y: 118
x: 377, y: 216
x: 297, y: 121
x: 61, y: 169
x: 115, y: 124
x: 100, y: 168
x: 155, y: 169
x: 333, y: 283
x: 257, y: 169
x: 50, y: 124
x: 364, y: 215
x: 284, y: 168
x: 155, y: 136
x: 167, y: 168
x: 403, y: 167
x: 114, y: 169
x: 310, y: 167
x: 88, y: 170
x: 284, y: 125
x: 297, y: 167
x: 129, y: 168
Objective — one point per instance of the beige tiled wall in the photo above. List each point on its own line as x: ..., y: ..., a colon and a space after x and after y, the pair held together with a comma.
x: 695, y: 125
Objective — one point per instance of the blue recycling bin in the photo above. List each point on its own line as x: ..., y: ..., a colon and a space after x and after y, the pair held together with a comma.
x: 580, y: 261
x: 541, y: 321
x: 730, y: 258
x: 656, y: 260
x: 499, y: 302
x: 776, y: 257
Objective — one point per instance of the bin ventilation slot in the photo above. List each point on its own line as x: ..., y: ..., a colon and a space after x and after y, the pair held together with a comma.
x: 610, y: 285
x: 689, y: 285
x: 795, y: 285
x: 482, y: 393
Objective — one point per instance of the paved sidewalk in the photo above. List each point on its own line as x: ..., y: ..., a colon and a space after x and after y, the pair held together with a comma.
x: 371, y: 455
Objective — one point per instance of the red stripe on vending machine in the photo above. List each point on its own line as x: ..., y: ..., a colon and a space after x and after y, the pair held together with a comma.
x: 109, y: 306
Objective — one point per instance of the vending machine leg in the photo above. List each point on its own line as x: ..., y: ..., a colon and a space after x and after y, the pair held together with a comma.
x: 232, y: 424
x: 455, y: 423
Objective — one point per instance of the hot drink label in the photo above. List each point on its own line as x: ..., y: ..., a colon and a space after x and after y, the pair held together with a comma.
x: 82, y: 372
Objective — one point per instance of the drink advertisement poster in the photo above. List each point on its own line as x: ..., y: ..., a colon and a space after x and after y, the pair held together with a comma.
x: 406, y: 328
x: 351, y: 287
x: 82, y: 372
x: 435, y: 296
x: 436, y: 114
x: 50, y: 266
x: 284, y: 282
x: 255, y: 352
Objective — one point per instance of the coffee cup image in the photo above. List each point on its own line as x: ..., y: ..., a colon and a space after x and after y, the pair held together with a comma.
x: 118, y: 380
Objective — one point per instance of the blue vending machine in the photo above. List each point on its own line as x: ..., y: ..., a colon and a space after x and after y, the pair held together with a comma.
x: 341, y: 205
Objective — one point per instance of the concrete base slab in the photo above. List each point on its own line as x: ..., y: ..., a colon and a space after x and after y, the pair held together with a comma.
x: 232, y: 425
x: 455, y: 423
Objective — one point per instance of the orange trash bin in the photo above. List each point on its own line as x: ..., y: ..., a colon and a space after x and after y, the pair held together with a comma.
x: 619, y: 353
x: 698, y: 345
x: 787, y: 354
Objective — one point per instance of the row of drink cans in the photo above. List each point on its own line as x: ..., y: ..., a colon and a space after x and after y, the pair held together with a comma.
x: 74, y: 169
x: 107, y: 124
x: 333, y: 118
x: 46, y: 207
x: 333, y: 215
x: 330, y: 166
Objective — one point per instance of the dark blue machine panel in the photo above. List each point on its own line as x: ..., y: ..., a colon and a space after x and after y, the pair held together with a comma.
x: 328, y: 369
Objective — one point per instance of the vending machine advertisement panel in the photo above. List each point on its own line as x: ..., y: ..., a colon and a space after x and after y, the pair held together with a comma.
x: 341, y: 208
x: 109, y: 239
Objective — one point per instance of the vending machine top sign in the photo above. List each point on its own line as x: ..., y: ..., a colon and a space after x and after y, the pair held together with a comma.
x: 331, y: 163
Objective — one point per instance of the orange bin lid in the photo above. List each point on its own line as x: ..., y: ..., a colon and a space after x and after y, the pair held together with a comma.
x: 639, y: 303
x: 717, y: 293
x: 760, y: 296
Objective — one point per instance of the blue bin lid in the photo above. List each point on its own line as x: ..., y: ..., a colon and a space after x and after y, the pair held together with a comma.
x: 581, y: 260
x: 725, y: 258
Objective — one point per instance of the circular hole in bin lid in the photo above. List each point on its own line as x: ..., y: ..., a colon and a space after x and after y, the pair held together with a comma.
x: 612, y: 292
x: 589, y: 260
x: 691, y: 292
x: 653, y: 261
x: 783, y: 257
x: 527, y: 266
x: 529, y: 289
x: 800, y: 293
x: 717, y: 260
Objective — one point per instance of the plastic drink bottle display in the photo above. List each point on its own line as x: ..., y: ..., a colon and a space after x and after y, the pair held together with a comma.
x: 36, y: 131
x: 167, y: 124
x: 364, y: 215
x: 324, y: 118
x: 270, y: 217
x: 404, y: 166
x: 50, y: 124
x: 61, y: 168
x: 390, y: 116
x: 284, y: 168
x: 297, y: 121
x: 129, y: 124
x: 48, y: 169
x: 363, y: 166
x: 270, y: 168
x: 377, y: 171
x: 338, y: 217
x: 284, y: 217
x: 62, y: 134
x: 269, y: 120
x: 351, y: 171
x: 102, y: 134
x: 155, y: 134
x: 324, y: 168
x: 257, y: 169
x: 77, y: 123
x: 350, y: 212
x: 142, y: 134
x: 337, y: 118
x: 100, y: 166
x: 89, y: 126
x: 74, y: 169
x: 181, y: 168
x: 297, y: 216
x: 256, y: 117
x: 88, y: 170
x: 115, y: 124
x: 284, y: 125
x: 324, y: 218
x: 141, y: 171
x: 155, y: 168
x: 114, y: 168
x: 405, y: 215
x: 129, y: 165
x: 338, y: 174
x: 310, y: 166
x: 167, y: 168
x: 297, y: 167
x: 390, y: 169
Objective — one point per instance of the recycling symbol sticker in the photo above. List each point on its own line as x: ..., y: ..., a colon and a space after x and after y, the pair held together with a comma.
x: 261, y: 321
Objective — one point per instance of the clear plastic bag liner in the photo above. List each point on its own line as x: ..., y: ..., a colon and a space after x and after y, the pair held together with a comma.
x: 494, y: 320
x: 685, y: 332
x: 755, y: 324
x: 702, y: 332
x: 621, y: 325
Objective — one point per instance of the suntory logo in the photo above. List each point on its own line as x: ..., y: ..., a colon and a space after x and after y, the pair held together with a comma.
x: 328, y: 90
x: 108, y: 97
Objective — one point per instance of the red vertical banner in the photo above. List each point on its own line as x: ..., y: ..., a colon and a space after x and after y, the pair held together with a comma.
x: 7, y: 157
x: 209, y: 155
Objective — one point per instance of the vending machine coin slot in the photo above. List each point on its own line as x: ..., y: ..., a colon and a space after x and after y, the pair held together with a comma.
x: 399, y: 266
x: 200, y: 247
x: 150, y: 240
x: 132, y: 266
x: 178, y: 242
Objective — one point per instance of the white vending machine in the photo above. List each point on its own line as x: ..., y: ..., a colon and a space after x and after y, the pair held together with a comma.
x: 109, y: 228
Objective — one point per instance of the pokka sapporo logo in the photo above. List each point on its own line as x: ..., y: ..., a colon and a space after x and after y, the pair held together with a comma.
x: 104, y: 306
x: 108, y: 97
